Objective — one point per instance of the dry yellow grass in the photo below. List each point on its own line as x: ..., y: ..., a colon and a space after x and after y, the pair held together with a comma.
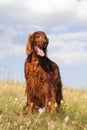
x: 72, y: 114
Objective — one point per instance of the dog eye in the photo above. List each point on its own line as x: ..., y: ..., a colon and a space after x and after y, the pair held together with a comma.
x: 37, y: 36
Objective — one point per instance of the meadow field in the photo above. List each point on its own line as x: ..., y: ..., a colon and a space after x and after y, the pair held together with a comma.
x: 72, y: 114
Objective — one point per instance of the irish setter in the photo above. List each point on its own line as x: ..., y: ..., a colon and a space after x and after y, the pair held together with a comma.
x: 43, y: 81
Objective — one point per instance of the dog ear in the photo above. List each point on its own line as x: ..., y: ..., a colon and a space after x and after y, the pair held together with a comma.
x: 29, y: 45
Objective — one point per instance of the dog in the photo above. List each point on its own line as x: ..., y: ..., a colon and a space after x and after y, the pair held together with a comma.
x: 43, y: 80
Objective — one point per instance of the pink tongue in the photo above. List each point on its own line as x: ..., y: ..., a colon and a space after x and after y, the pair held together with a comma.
x: 39, y: 51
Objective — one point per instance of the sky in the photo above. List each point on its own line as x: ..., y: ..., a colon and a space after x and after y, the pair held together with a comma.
x: 64, y: 22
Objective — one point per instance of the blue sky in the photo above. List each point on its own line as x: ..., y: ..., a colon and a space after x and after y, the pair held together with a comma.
x: 64, y: 22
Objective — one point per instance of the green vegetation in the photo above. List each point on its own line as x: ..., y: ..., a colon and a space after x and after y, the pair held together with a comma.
x: 72, y: 114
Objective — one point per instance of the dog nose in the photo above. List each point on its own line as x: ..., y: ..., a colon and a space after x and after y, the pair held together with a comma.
x: 44, y: 42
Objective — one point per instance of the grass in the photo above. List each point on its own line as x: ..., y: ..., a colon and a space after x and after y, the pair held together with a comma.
x: 72, y: 114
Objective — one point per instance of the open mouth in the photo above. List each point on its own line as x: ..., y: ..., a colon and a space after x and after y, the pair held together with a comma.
x: 40, y: 51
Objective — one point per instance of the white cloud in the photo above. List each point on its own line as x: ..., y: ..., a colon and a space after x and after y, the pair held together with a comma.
x: 82, y: 11
x: 11, y: 50
x: 43, y: 12
x: 58, y: 28
x: 73, y: 36
x: 2, y: 2
x: 52, y: 6
x: 69, y: 48
x: 7, y: 44
x: 73, y: 56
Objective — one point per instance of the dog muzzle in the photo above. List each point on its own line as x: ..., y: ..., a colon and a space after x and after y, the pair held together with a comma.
x: 39, y: 51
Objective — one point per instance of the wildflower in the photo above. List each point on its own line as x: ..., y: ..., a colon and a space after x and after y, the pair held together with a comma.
x: 66, y: 119
x: 40, y: 110
x: 16, y: 99
x: 62, y: 102
x: 21, y: 127
x: 28, y: 123
x: 51, y: 125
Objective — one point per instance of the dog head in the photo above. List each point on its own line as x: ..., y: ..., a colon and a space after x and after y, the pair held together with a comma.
x: 37, y: 42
